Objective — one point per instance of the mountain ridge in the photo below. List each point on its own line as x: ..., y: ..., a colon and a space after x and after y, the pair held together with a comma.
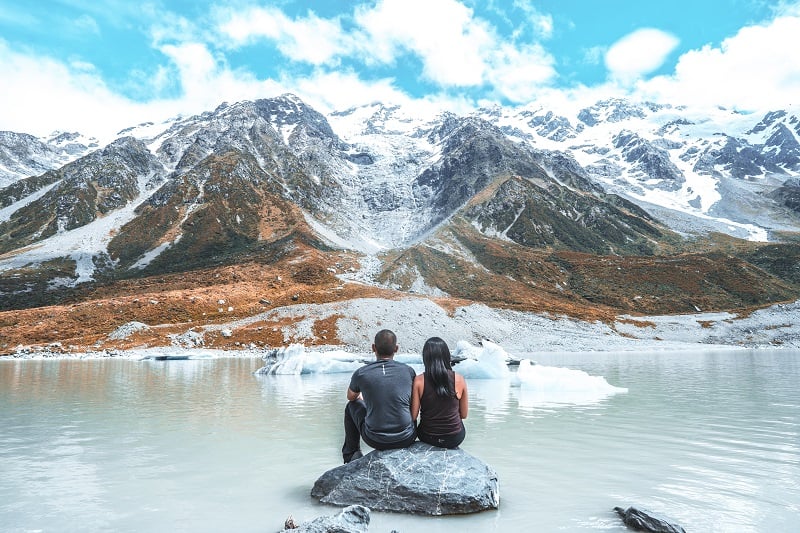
x: 276, y: 182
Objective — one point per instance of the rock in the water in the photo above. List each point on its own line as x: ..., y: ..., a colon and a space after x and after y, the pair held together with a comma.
x: 647, y: 521
x: 352, y: 519
x: 419, y: 479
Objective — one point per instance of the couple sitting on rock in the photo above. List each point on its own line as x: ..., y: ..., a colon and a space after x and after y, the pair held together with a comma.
x: 385, y: 398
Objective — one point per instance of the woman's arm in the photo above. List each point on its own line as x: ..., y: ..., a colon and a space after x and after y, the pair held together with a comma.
x: 416, y: 396
x: 461, y: 393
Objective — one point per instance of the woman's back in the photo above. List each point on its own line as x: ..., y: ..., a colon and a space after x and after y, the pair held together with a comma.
x: 441, y: 395
x: 439, y: 415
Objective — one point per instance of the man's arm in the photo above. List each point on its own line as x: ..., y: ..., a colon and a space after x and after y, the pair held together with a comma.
x: 351, y: 396
x: 354, y: 389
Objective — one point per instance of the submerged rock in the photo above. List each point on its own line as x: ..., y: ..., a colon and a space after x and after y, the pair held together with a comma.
x: 352, y: 519
x: 420, y: 479
x: 646, y: 521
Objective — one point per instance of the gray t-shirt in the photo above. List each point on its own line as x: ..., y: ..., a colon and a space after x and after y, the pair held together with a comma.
x: 386, y: 385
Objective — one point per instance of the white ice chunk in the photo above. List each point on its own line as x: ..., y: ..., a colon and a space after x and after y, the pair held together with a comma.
x: 548, y: 386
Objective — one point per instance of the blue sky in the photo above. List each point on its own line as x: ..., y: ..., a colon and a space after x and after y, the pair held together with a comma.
x: 101, y: 65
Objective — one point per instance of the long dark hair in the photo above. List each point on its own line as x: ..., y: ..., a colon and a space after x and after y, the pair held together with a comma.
x: 436, y: 357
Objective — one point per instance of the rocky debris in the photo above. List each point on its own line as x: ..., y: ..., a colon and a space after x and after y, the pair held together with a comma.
x: 127, y: 329
x: 188, y: 339
x: 352, y: 519
x: 640, y: 520
x: 420, y: 479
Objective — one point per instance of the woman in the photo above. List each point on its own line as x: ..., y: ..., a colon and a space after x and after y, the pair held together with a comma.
x: 441, y: 395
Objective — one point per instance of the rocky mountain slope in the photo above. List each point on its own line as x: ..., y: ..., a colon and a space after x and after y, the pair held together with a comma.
x: 622, y: 207
x: 716, y: 170
x: 23, y: 155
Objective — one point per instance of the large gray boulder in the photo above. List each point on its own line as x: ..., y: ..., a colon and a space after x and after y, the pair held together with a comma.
x: 421, y: 479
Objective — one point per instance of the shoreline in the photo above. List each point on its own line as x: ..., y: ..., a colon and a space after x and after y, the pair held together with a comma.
x: 416, y: 319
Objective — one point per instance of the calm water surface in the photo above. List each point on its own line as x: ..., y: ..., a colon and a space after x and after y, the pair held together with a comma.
x: 710, y: 439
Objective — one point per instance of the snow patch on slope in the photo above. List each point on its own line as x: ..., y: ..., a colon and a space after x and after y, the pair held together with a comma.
x: 80, y: 244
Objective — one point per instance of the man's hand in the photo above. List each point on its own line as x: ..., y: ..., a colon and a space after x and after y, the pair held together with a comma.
x: 352, y: 396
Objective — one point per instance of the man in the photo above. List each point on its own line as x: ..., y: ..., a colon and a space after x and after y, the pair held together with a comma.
x: 379, y: 402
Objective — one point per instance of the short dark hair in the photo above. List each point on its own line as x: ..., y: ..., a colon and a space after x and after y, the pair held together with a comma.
x: 385, y: 343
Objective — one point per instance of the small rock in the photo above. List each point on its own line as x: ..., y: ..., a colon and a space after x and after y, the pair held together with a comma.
x: 352, y: 519
x: 639, y: 520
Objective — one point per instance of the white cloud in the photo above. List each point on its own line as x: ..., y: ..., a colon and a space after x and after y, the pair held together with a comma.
x: 756, y: 69
x: 542, y: 23
x: 171, y: 28
x: 48, y: 94
x: 451, y: 43
x: 639, y: 53
x: 330, y: 91
x: 52, y: 95
x: 455, y: 48
x: 518, y: 73
x: 206, y: 80
x: 311, y: 39
x: 787, y: 8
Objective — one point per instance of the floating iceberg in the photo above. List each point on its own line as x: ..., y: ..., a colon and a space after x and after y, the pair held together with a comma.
x: 542, y: 385
x: 488, y: 361
x: 538, y: 384
x: 296, y: 360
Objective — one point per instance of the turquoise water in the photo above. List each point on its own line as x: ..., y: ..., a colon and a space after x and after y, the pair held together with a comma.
x: 709, y: 439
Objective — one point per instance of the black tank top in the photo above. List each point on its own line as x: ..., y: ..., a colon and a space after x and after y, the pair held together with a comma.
x: 440, y: 415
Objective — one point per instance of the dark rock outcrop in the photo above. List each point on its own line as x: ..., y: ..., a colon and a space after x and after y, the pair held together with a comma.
x: 639, y: 520
x: 352, y: 519
x: 421, y: 479
x: 788, y: 194
x: 648, y: 161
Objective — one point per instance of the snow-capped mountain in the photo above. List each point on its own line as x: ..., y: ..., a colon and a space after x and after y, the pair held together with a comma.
x: 717, y: 168
x: 260, y: 178
x: 23, y: 155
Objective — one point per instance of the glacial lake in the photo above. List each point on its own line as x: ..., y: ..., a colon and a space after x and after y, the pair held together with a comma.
x: 709, y: 439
